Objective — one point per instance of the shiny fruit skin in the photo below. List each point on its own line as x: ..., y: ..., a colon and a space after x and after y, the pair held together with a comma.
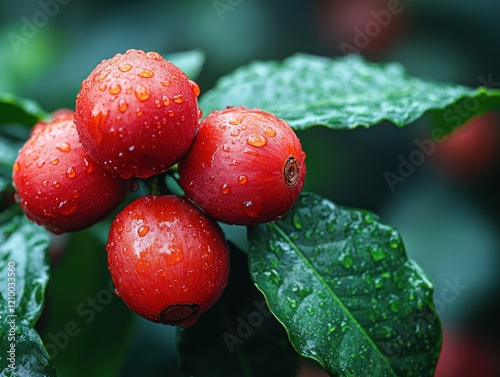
x: 137, y: 114
x: 470, y: 151
x: 58, y: 185
x: 245, y: 166
x: 168, y: 260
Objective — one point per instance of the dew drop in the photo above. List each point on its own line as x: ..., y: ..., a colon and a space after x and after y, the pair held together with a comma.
x: 293, y: 303
x: 66, y: 208
x: 71, y: 173
x: 142, y: 93
x: 55, y: 161
x: 102, y: 87
x: 166, y: 83
x: 40, y: 164
x: 56, y: 184
x: 212, y: 177
x: 251, y: 152
x: 179, y: 98
x: 242, y: 179
x: 331, y: 328
x: 170, y: 113
x: 394, y: 305
x: 158, y: 103
x: 250, y: 209
x: 310, y: 311
x: 45, y: 183
x: 377, y: 254
x: 17, y: 167
x: 125, y: 67
x: 88, y: 166
x: 138, y: 112
x: 270, y: 132
x: 146, y: 73
x: 64, y: 147
x: 143, y: 230
x: 154, y: 55
x: 236, y: 121
x: 102, y: 76
x: 297, y: 223
x: 394, y: 241
x: 225, y: 189
x: 235, y: 132
x: 200, y: 113
x: 346, y: 260
x: 166, y: 101
x: 122, y: 106
x: 275, y: 278
x: 256, y: 140
x: 115, y: 88
x: 195, y: 87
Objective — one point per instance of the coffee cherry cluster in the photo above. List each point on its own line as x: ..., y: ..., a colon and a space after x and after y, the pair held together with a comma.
x: 137, y: 117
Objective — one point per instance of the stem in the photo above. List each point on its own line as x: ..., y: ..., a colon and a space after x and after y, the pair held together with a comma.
x: 157, y: 185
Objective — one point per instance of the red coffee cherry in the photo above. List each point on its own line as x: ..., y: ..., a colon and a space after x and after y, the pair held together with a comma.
x: 245, y: 166
x: 169, y: 262
x: 137, y: 114
x: 58, y: 185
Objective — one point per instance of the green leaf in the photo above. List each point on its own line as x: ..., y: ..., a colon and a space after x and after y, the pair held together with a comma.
x: 344, y: 93
x: 4, y: 185
x: 8, y: 154
x: 191, y: 62
x: 88, y: 328
x: 339, y: 281
x: 22, y: 351
x: 19, y: 110
x: 240, y: 336
x: 24, y: 247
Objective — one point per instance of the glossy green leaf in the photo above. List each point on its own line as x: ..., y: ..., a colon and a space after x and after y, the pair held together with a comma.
x: 88, y: 329
x: 22, y: 351
x: 191, y: 62
x: 340, y: 282
x: 8, y: 154
x: 24, y: 246
x: 240, y: 336
x: 19, y: 110
x: 345, y: 93
x: 4, y: 185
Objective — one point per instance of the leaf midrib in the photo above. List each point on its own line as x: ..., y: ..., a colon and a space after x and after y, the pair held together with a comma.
x: 316, y: 273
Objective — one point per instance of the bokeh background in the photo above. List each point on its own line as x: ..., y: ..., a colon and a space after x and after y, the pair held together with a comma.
x: 447, y: 208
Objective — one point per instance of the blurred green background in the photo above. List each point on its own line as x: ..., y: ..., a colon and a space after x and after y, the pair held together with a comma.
x: 447, y: 209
